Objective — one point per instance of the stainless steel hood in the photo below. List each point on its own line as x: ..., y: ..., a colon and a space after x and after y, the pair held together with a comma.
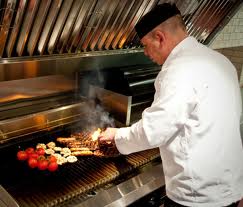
x: 47, y: 27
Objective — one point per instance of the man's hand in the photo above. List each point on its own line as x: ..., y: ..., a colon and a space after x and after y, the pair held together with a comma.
x: 107, y: 137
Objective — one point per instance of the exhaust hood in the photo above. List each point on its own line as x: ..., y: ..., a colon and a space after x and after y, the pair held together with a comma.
x: 50, y: 27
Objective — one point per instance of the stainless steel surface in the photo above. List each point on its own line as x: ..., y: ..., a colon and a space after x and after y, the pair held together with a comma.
x: 127, y: 29
x: 38, y: 24
x: 68, y: 28
x: 66, y: 6
x: 26, y: 26
x: 119, y: 23
x: 68, y: 64
x: 48, y: 27
x: 16, y: 27
x: 72, y: 26
x: 117, y: 104
x: 6, y: 200
x: 35, y: 87
x: 128, y: 191
x: 82, y: 19
x: 95, y: 17
x: 5, y: 25
x: 16, y: 127
x: 106, y: 19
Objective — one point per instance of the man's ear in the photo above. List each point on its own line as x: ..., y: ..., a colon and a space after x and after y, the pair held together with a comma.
x: 160, y: 37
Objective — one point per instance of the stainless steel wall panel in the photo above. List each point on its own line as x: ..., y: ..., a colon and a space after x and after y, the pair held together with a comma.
x: 125, y: 12
x: 50, y: 21
x: 193, y: 16
x: 104, y: 22
x: 82, y: 19
x: 26, y: 27
x: 93, y: 24
x: 212, y: 15
x: 134, y: 10
x: 5, y: 23
x: 67, y: 4
x: 38, y: 25
x: 68, y: 64
x: 47, y: 27
x: 206, y: 15
x: 111, y: 25
x: 68, y: 28
x: 220, y: 15
x: 17, y: 25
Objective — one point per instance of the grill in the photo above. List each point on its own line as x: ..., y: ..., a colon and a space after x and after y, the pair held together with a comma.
x: 62, y: 61
x: 73, y: 182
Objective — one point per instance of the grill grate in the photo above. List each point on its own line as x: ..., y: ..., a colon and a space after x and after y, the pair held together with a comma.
x: 32, y: 188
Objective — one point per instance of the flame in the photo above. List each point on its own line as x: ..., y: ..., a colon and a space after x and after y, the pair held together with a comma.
x: 96, y: 134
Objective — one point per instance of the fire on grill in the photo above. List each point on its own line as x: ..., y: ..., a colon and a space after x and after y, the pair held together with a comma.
x: 86, y: 144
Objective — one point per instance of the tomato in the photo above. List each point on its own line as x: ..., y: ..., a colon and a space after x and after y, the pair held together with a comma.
x: 32, y: 162
x: 43, y: 164
x: 22, y: 155
x: 30, y: 150
x: 34, y: 155
x: 40, y: 151
x: 52, y: 166
x: 52, y: 158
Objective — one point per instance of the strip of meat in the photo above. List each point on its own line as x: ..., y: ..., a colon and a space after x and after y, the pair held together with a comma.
x: 65, y: 139
x: 79, y: 149
x: 82, y: 153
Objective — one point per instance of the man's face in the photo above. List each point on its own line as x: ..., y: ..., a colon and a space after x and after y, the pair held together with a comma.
x: 154, y: 49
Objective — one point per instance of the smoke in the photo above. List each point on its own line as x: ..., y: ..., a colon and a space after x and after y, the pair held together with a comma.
x: 98, y: 117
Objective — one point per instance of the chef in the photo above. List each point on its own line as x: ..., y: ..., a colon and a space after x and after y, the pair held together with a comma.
x: 194, y: 118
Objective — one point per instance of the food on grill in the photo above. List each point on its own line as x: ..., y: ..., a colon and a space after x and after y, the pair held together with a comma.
x: 52, y: 158
x: 48, y: 158
x: 72, y: 159
x: 106, y: 152
x: 56, y: 155
x: 49, y: 151
x: 82, y: 153
x: 51, y: 145
x: 34, y: 155
x: 30, y: 150
x: 64, y: 140
x: 79, y: 149
x: 86, y: 144
x: 41, y: 145
x: 43, y: 164
x: 32, y: 162
x: 61, y: 160
x: 57, y: 149
x: 52, y: 166
x: 65, y: 150
x: 22, y: 155
x: 40, y: 151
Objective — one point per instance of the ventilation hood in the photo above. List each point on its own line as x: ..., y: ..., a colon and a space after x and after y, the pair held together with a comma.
x: 35, y: 28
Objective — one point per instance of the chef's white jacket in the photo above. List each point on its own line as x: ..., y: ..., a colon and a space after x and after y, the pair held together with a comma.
x: 194, y: 120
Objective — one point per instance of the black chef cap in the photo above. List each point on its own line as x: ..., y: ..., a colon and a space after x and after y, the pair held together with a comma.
x: 154, y: 17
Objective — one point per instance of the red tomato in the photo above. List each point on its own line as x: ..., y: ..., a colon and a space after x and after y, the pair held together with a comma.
x: 52, y: 166
x: 32, y: 162
x: 43, y: 164
x: 22, y: 155
x: 33, y: 155
x: 52, y: 158
x: 30, y: 150
x: 40, y: 151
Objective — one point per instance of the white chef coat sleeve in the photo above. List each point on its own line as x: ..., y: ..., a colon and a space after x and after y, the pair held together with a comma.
x: 174, y: 102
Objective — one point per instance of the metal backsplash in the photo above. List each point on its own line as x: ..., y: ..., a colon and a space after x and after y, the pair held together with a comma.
x: 46, y: 27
